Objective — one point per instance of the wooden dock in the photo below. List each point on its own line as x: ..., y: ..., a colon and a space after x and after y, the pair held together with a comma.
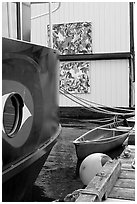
x: 116, y: 182
x: 124, y: 187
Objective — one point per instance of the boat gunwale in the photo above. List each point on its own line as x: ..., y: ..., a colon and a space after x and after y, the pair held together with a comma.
x: 76, y: 141
x: 103, y: 141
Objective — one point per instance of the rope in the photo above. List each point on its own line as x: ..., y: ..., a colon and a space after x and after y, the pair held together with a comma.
x: 91, y: 102
x: 93, y: 108
x: 72, y: 197
x: 102, y: 121
x: 80, y: 99
x: 115, y: 108
x: 96, y: 109
x: 88, y: 108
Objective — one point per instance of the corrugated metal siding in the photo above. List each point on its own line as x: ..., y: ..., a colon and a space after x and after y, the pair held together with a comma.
x: 110, y: 33
x: 5, y: 31
x: 109, y: 81
x: 110, y: 22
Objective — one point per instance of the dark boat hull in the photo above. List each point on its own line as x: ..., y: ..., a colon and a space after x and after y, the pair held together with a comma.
x: 30, y: 113
x: 22, y: 175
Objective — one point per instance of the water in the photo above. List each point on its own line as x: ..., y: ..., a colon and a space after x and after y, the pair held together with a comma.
x: 59, y: 175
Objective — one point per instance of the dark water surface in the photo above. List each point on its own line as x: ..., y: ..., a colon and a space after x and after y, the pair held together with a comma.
x: 58, y: 175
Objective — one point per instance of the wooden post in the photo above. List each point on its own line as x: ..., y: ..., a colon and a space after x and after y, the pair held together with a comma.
x: 101, y: 185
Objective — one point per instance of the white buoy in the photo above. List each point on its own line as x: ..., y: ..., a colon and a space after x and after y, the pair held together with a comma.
x: 92, y: 165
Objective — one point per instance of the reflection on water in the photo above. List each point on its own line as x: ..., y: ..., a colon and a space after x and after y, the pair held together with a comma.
x: 58, y: 176
x: 38, y: 195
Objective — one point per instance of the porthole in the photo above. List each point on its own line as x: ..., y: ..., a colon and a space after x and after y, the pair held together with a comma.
x: 12, y: 114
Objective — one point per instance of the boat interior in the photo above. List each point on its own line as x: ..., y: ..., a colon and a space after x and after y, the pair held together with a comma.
x: 101, y: 134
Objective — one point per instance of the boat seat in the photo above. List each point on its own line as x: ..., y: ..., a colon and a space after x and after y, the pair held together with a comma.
x: 113, y: 129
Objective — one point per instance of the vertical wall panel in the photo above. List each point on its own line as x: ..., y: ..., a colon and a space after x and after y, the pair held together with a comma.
x: 109, y: 84
x: 39, y: 25
x: 5, y: 31
x: 110, y: 21
x: 110, y: 33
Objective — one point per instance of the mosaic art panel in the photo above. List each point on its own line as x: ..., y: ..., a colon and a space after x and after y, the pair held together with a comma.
x: 75, y: 77
x: 72, y: 38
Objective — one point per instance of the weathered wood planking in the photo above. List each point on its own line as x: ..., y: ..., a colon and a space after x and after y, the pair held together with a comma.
x: 127, y: 174
x: 102, y: 183
x: 122, y: 193
x: 125, y: 183
x: 117, y: 200
x: 124, y: 187
x: 118, y: 182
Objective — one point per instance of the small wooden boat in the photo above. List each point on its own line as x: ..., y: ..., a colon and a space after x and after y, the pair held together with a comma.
x: 101, y: 139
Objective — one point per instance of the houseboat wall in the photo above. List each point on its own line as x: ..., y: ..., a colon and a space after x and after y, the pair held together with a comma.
x: 109, y: 84
x: 109, y: 79
x: 110, y: 23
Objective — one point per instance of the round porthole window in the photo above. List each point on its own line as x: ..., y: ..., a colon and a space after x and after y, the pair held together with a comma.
x: 12, y: 114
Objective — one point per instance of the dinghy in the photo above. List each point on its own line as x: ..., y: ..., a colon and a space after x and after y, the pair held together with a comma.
x: 100, y: 139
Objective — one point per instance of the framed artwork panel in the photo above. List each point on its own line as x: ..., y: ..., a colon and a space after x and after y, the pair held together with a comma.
x: 72, y: 38
x: 75, y: 77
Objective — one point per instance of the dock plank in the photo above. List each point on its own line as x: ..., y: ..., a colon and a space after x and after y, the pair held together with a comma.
x: 119, y: 184
x: 128, y: 174
x: 117, y: 200
x: 125, y: 183
x: 122, y: 193
x: 127, y: 165
x: 124, y: 187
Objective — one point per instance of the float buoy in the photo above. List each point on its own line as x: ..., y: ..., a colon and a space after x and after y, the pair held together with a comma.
x: 92, y: 165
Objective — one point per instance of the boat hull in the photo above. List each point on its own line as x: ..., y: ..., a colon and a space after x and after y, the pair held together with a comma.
x: 18, y: 179
x: 100, y: 140
x: 83, y: 150
x: 31, y: 127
